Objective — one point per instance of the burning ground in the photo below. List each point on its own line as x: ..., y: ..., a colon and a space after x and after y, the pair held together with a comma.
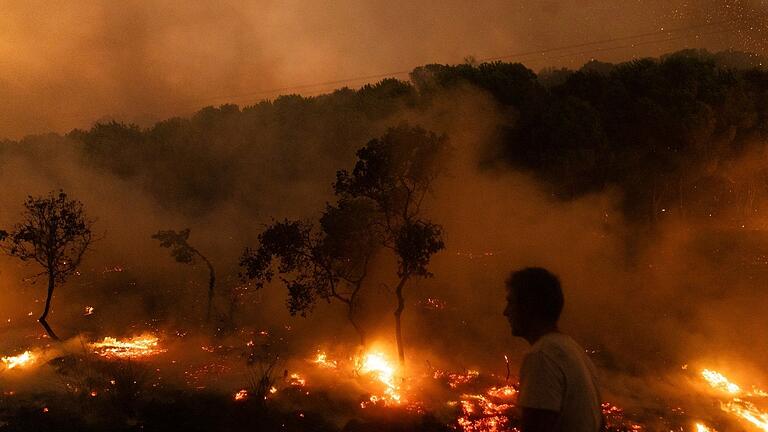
x: 155, y: 381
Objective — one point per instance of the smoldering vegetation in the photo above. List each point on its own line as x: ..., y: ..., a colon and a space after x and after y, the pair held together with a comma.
x: 642, y: 185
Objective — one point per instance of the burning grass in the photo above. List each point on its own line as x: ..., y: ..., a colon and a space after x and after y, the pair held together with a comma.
x: 25, y: 359
x: 369, y: 386
x: 137, y: 347
x: 737, y: 402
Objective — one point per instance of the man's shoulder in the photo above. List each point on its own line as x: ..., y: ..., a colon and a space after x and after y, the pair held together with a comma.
x: 556, y: 346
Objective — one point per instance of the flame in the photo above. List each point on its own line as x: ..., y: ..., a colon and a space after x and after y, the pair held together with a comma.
x: 375, y: 364
x: 322, y: 361
x: 140, y: 346
x: 737, y: 406
x: 702, y: 428
x: 718, y: 381
x: 24, y: 359
x: 296, y: 380
x: 747, y: 411
x: 241, y: 395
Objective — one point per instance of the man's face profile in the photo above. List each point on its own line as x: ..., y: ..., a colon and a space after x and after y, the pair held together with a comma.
x: 513, y: 314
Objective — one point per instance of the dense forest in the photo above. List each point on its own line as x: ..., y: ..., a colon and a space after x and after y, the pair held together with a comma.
x: 667, y: 132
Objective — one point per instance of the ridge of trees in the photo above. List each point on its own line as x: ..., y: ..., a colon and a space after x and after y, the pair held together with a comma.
x: 664, y: 131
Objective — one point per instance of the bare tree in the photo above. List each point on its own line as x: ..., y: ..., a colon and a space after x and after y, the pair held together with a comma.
x: 55, y: 233
x: 183, y: 252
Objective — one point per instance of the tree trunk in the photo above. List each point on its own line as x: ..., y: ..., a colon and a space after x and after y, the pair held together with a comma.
x: 358, y: 327
x: 211, y: 284
x: 398, y: 312
x: 41, y: 320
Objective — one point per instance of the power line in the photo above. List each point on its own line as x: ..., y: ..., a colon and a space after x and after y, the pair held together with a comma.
x: 617, y: 39
x: 193, y: 104
x: 485, y: 59
x: 728, y: 30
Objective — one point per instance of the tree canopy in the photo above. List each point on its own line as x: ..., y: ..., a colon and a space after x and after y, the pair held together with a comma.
x: 651, y: 128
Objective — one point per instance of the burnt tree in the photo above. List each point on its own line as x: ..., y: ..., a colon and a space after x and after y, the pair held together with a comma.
x: 55, y: 233
x: 185, y: 253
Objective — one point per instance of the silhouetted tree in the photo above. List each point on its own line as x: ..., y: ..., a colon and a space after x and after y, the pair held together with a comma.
x: 55, y: 233
x: 326, y: 263
x: 394, y: 173
x: 183, y: 252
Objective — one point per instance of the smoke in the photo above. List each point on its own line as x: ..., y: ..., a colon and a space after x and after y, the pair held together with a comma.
x: 67, y: 65
x: 645, y: 301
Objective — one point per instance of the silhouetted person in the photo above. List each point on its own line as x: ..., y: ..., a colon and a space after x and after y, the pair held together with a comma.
x: 558, y: 388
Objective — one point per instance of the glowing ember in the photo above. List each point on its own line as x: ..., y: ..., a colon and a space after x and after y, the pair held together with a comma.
x: 377, y: 366
x: 457, y: 379
x: 241, y: 395
x: 296, y: 380
x: 24, y: 359
x: 140, y: 346
x: 503, y: 392
x: 88, y: 310
x: 485, y: 413
x: 322, y: 361
x: 737, y: 406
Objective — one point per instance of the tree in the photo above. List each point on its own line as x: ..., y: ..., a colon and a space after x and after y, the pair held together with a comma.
x: 393, y: 174
x: 55, y: 233
x: 183, y: 252
x: 329, y: 262
x: 378, y: 207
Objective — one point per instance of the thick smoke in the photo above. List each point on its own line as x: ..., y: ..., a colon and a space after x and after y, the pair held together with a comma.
x: 67, y: 65
x: 646, y: 301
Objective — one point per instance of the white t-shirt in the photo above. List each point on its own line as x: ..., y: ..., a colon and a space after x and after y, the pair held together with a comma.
x: 557, y: 375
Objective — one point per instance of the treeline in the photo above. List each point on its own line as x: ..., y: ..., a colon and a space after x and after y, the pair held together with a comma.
x: 669, y: 133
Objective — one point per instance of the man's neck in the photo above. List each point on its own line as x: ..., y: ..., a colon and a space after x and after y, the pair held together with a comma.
x: 537, y: 334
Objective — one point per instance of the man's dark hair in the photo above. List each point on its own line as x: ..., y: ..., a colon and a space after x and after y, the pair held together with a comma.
x: 537, y: 290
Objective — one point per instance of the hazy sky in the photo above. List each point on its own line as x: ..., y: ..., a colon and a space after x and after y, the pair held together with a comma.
x: 68, y: 64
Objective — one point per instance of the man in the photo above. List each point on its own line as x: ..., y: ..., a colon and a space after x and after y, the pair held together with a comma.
x: 558, y: 388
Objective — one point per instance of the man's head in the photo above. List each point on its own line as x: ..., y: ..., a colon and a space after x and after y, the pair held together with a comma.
x: 534, y: 301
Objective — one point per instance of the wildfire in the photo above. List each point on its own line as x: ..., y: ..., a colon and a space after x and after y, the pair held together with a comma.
x: 140, y: 346
x: 296, y: 380
x: 375, y: 364
x: 241, y: 395
x: 24, y: 359
x: 487, y: 412
x: 457, y: 379
x: 737, y: 406
x: 322, y: 361
x: 718, y: 381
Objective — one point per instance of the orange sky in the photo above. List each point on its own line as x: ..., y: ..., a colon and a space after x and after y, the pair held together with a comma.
x: 66, y: 65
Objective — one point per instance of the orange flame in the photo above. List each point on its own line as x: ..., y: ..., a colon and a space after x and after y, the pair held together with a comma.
x: 24, y: 359
x: 140, y: 346
x: 241, y: 395
x: 375, y: 364
x: 737, y: 406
